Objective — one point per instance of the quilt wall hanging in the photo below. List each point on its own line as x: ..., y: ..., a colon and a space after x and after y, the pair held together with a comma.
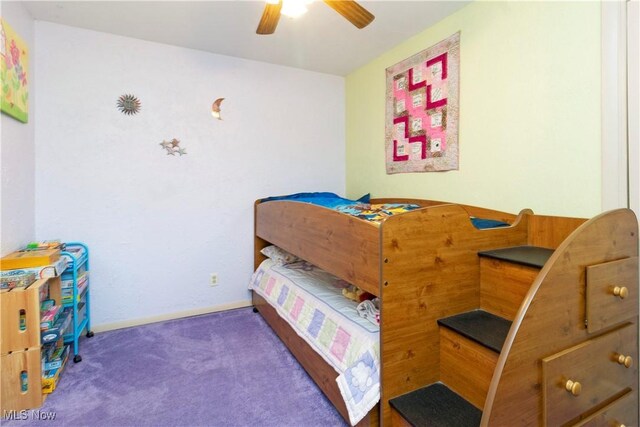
x: 14, y: 65
x: 422, y: 110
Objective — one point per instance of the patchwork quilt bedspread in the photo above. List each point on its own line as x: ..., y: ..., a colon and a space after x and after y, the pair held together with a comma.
x: 375, y: 213
x: 311, y: 301
x: 360, y: 208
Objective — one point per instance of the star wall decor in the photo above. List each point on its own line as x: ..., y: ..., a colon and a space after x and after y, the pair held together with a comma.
x: 173, y: 147
x: 129, y: 104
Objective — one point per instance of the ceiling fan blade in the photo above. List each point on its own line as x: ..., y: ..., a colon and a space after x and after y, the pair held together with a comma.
x: 356, y: 14
x: 270, y: 18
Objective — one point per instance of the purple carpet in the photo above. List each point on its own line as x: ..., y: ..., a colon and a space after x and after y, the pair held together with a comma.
x: 222, y: 369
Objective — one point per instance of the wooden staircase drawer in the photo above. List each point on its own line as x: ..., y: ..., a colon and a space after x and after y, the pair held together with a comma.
x: 622, y: 411
x: 611, y: 301
x: 584, y: 376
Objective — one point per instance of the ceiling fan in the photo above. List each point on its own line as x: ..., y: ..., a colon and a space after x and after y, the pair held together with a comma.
x: 350, y: 9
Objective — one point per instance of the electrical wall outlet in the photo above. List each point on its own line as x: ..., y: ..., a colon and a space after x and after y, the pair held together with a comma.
x: 213, y: 279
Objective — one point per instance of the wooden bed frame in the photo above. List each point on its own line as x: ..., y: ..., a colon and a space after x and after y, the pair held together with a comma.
x: 424, y: 266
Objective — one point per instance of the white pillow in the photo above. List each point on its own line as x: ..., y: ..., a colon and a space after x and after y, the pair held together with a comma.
x: 279, y: 256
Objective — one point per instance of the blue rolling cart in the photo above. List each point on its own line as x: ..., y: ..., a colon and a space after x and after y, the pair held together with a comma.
x: 77, y: 272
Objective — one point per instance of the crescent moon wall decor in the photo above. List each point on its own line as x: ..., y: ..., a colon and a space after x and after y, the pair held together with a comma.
x: 215, y: 108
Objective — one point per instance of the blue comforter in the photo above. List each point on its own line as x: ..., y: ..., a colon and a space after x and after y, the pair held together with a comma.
x: 355, y: 207
x: 328, y: 200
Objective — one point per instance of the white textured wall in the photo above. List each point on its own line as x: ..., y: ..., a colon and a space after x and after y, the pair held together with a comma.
x: 17, y: 159
x: 157, y: 224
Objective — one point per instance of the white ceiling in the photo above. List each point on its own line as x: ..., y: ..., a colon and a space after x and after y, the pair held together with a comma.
x: 321, y: 40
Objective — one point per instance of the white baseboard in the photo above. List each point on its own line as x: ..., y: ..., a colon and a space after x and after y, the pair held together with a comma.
x: 170, y: 316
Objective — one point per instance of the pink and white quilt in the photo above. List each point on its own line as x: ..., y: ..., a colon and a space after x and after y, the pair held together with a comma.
x: 311, y: 301
x: 422, y: 110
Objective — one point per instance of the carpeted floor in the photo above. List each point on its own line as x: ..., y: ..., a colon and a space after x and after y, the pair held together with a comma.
x: 222, y: 369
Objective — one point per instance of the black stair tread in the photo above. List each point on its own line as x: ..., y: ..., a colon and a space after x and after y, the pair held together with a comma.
x: 436, y: 405
x: 482, y: 327
x: 532, y: 256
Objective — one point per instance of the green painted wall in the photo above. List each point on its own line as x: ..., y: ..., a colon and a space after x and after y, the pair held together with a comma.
x: 529, y: 111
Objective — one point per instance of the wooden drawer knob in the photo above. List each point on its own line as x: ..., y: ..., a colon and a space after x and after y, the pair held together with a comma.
x: 621, y: 291
x: 573, y: 387
x: 627, y: 361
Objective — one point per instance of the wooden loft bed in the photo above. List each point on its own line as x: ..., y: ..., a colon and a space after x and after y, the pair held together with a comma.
x: 369, y: 256
x: 343, y: 245
x: 424, y: 265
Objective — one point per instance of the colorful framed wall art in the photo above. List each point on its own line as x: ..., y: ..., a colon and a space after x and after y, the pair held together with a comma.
x: 422, y: 110
x: 14, y: 69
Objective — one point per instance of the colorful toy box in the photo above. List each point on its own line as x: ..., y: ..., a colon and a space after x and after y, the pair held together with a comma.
x: 53, y: 359
x: 29, y: 258
x: 67, y: 294
x: 76, y: 252
x: 51, y: 377
x: 49, y: 317
x: 17, y: 279
x: 67, y: 279
x: 67, y: 287
x: 59, y: 329
x: 41, y: 272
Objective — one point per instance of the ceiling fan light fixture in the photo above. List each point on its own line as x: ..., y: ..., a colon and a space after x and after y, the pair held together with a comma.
x: 293, y: 8
x: 349, y: 9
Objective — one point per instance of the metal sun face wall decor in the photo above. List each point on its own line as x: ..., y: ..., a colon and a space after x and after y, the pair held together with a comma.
x: 129, y: 104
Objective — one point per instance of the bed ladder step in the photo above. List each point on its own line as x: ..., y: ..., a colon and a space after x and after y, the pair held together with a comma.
x: 506, y: 275
x: 470, y: 345
x: 435, y: 405
x: 531, y: 256
x: 479, y: 326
